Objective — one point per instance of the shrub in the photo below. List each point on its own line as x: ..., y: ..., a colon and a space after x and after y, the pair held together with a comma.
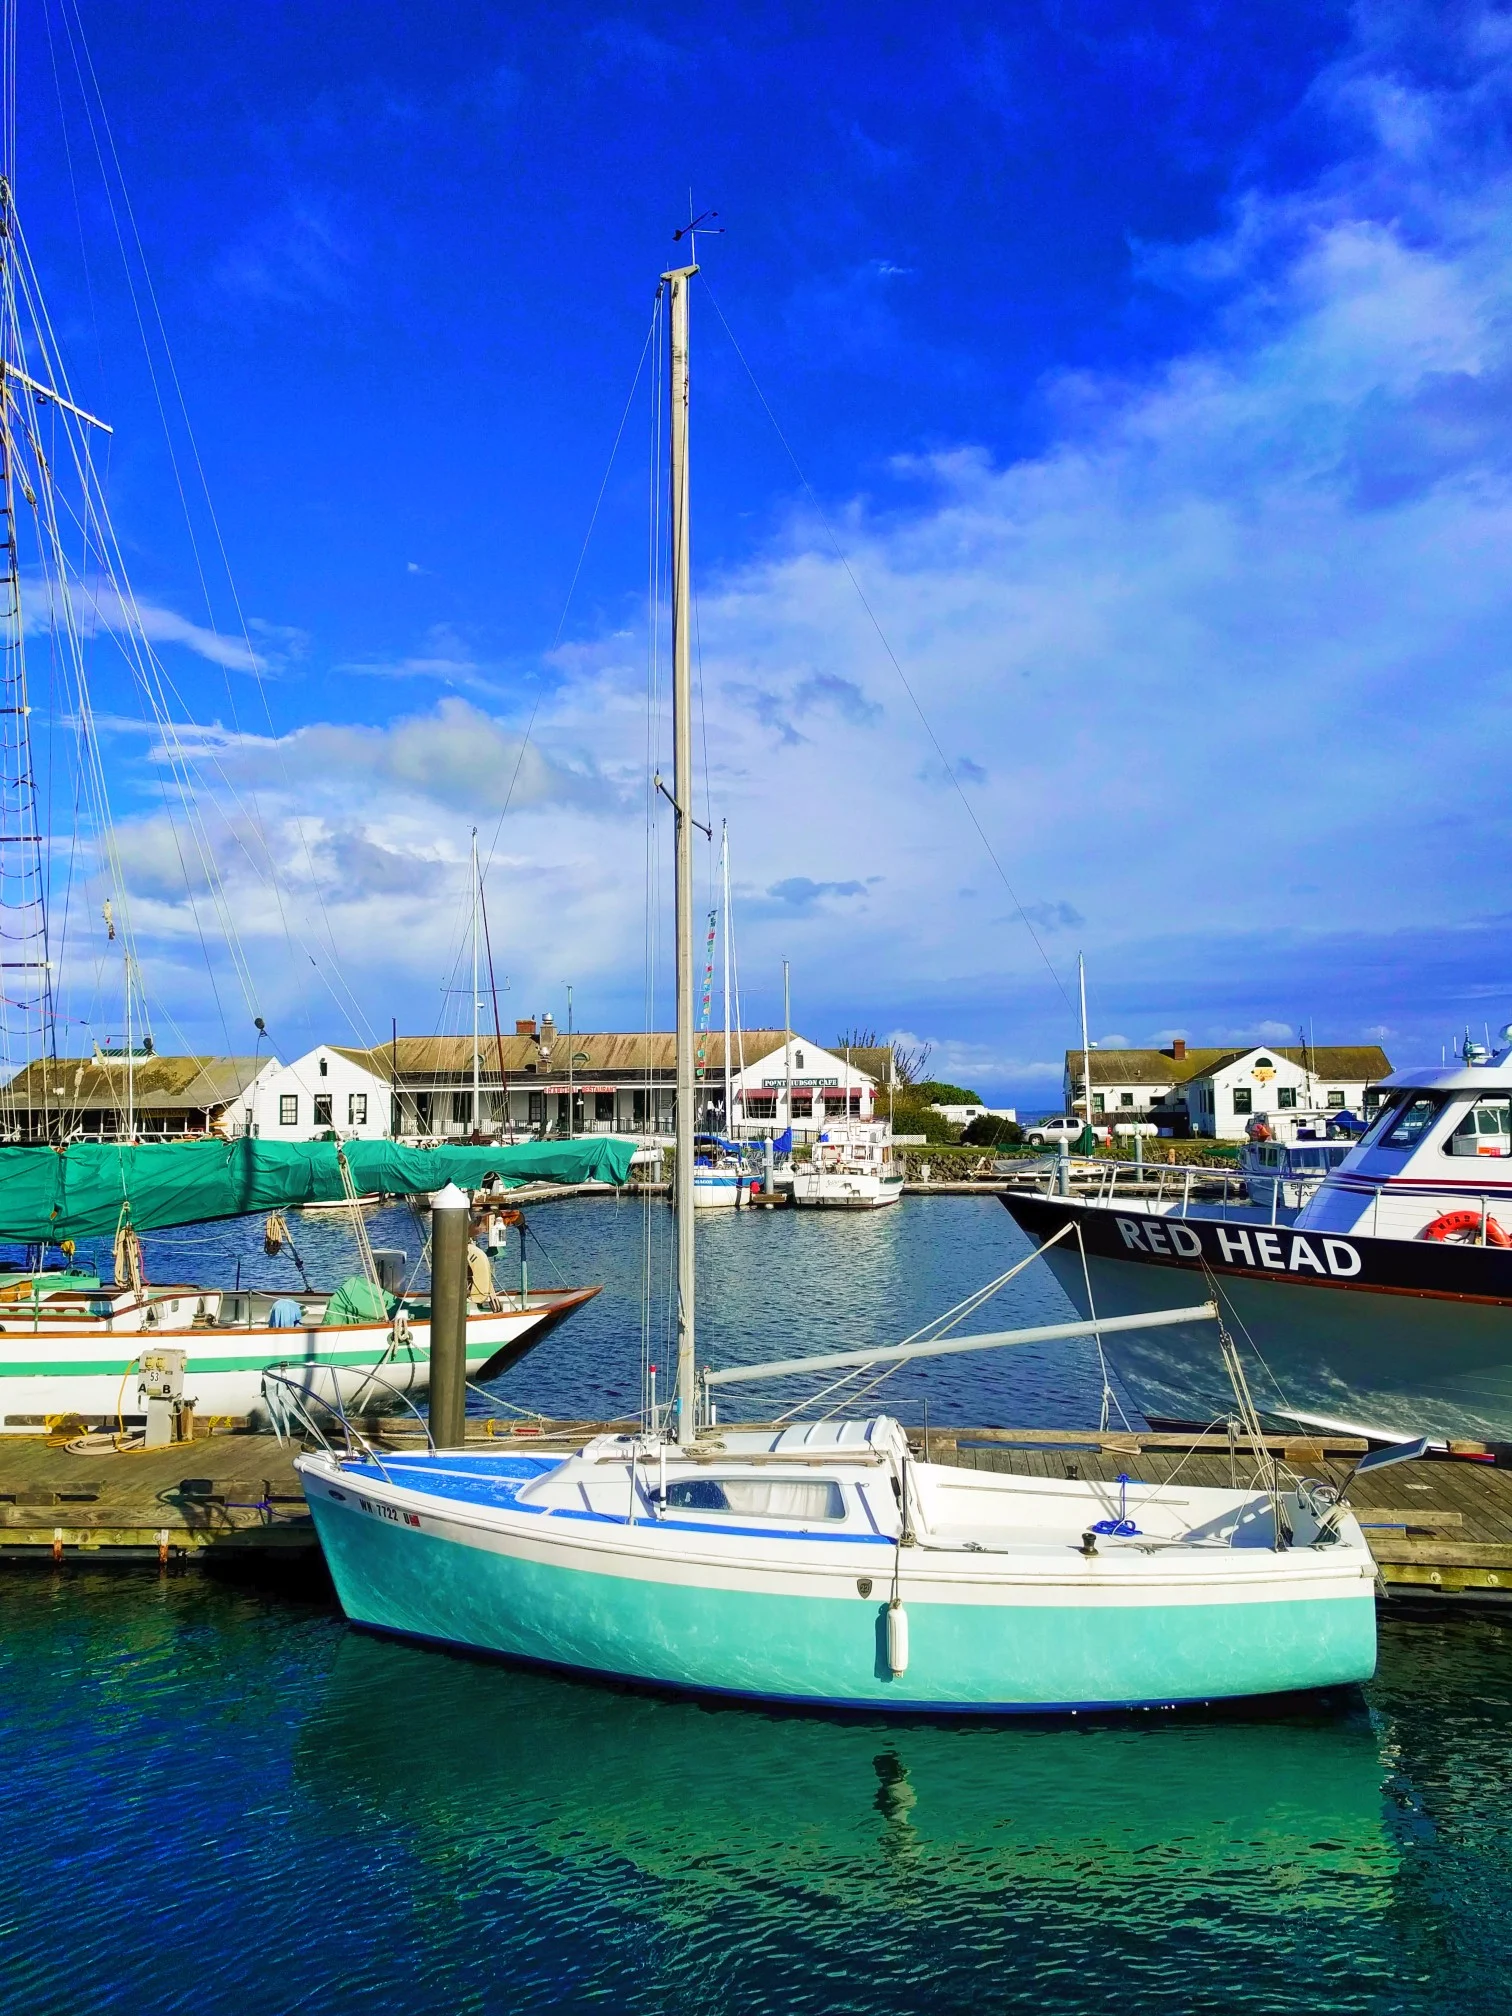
x: 989, y: 1132
x: 909, y: 1118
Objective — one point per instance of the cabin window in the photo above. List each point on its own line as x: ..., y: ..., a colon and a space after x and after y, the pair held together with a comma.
x: 1485, y: 1130
x: 322, y: 1109
x: 1286, y: 1097
x: 1405, y: 1125
x: 288, y: 1109
x: 356, y: 1109
x: 1244, y: 1100
x: 757, y: 1497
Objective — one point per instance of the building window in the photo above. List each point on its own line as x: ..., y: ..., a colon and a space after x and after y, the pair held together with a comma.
x: 1243, y: 1099
x: 798, y: 1060
x: 1336, y: 1102
x: 537, y: 1109
x: 637, y: 1109
x: 461, y: 1107
x: 761, y: 1105
x: 396, y: 1115
x: 288, y: 1109
x: 324, y: 1068
x: 803, y: 1106
x: 1126, y: 1098
x: 603, y: 1106
x: 357, y: 1109
x: 1264, y: 1064
x: 322, y: 1109
x: 422, y: 1112
x: 1286, y: 1097
x: 1098, y: 1103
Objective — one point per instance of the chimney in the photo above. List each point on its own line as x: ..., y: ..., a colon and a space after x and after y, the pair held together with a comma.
x: 526, y: 1028
x: 1178, y: 1050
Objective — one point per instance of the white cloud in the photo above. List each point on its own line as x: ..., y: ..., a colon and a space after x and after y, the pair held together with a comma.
x: 1227, y: 658
x: 277, y: 644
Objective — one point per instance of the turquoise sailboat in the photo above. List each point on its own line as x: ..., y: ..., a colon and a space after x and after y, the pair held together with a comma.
x: 826, y: 1565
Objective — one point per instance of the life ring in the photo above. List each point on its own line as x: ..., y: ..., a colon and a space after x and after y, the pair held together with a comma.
x: 1453, y: 1224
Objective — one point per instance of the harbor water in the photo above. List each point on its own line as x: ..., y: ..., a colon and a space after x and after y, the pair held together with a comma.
x: 219, y: 1799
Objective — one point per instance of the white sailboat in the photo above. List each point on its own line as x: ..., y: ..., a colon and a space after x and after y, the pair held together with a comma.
x: 826, y: 1565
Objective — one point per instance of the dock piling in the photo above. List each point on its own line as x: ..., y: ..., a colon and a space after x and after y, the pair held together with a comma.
x: 448, y: 1323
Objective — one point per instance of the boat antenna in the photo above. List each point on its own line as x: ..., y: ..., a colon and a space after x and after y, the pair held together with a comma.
x: 678, y: 282
x: 1081, y: 978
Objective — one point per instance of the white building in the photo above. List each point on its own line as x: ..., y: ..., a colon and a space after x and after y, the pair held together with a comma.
x: 328, y: 1090
x: 1219, y: 1092
x: 795, y: 1083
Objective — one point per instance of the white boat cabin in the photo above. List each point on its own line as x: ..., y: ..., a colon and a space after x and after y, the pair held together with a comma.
x: 1440, y: 1149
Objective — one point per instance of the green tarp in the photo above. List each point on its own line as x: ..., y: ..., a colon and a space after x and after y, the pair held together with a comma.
x: 77, y: 1192
x: 357, y: 1300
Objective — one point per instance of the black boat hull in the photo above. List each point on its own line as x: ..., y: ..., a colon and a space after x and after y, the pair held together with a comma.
x: 1393, y: 1336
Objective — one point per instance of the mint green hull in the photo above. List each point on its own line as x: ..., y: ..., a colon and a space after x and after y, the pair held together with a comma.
x: 830, y: 1650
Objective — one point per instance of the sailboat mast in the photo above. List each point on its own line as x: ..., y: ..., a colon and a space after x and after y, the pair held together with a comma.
x: 477, y: 1110
x: 28, y: 1027
x: 1081, y: 975
x: 678, y: 283
x: 724, y: 880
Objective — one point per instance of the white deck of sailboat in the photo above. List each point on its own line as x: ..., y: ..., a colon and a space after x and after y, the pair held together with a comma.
x: 963, y: 1522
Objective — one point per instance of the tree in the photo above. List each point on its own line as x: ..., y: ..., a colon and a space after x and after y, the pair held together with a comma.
x: 909, y: 1060
x: 857, y: 1039
x: 937, y: 1093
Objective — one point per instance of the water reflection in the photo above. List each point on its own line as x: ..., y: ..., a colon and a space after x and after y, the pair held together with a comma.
x: 827, y: 1832
x: 226, y: 1803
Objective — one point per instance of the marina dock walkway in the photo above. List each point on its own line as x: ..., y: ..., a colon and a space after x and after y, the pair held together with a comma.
x: 1441, y: 1528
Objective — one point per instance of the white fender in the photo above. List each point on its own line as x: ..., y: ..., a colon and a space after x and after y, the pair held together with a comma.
x: 897, y: 1636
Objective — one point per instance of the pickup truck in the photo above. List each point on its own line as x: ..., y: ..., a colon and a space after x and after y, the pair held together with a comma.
x: 1067, y: 1127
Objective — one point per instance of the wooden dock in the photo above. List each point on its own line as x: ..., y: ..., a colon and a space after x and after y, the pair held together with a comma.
x: 1439, y: 1529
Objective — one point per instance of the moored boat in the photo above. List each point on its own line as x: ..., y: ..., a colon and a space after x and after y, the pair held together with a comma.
x: 851, y: 1167
x: 71, y: 1353
x: 1384, y: 1306
x: 825, y: 1565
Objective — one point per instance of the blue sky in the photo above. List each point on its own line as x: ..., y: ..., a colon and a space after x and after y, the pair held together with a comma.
x: 1150, y: 365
